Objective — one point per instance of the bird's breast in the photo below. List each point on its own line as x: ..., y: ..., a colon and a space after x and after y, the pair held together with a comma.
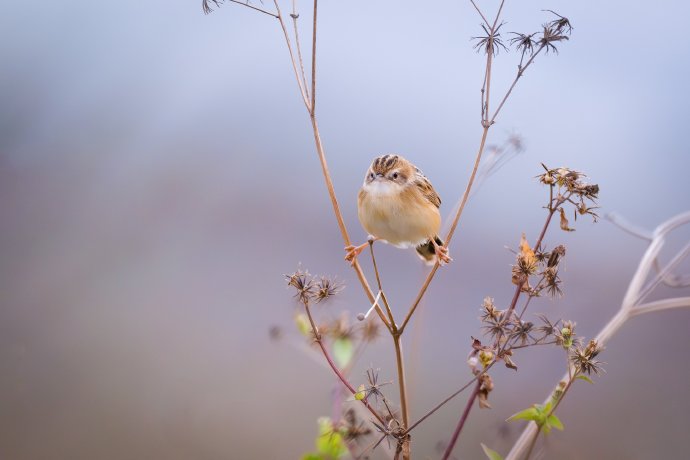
x: 404, y: 218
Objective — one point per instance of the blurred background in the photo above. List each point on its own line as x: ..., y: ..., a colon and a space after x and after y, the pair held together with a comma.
x: 158, y: 177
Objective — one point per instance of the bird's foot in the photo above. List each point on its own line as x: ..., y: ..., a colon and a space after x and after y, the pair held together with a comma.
x: 442, y: 254
x: 354, y: 251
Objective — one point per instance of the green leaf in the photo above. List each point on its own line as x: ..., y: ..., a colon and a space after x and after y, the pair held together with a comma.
x: 491, y: 454
x: 343, y: 351
x: 528, y: 414
x: 585, y: 378
x: 554, y: 422
x: 329, y: 443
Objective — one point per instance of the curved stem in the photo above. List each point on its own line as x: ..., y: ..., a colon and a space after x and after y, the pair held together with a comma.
x: 461, y: 423
x: 327, y: 355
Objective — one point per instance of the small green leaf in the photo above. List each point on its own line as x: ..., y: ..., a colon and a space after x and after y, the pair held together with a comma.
x: 343, y: 351
x: 554, y: 422
x: 546, y: 408
x: 491, y: 454
x: 528, y: 414
x: 329, y: 443
x: 585, y: 378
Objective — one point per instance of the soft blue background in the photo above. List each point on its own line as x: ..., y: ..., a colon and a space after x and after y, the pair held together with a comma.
x: 158, y: 176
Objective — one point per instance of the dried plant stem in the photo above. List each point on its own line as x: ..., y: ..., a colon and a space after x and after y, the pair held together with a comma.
x: 294, y: 16
x: 461, y: 422
x: 449, y: 398
x: 255, y: 8
x: 302, y: 87
x: 399, y: 360
x: 313, y: 60
x: 327, y: 355
x: 521, y: 71
x: 339, y: 217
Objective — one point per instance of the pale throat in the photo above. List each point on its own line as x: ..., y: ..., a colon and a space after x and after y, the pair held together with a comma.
x: 382, y: 187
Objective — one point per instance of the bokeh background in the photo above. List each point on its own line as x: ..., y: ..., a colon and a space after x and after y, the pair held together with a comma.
x: 158, y: 178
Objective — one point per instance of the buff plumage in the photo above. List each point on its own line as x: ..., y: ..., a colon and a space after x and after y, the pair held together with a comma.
x: 398, y: 204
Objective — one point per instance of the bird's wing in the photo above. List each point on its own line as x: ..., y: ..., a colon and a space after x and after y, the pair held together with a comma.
x: 427, y: 189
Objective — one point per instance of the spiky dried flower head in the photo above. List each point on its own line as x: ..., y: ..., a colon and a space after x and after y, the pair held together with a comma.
x: 583, y: 358
x: 521, y: 332
x: 326, y: 288
x: 524, y: 43
x: 489, y: 310
x: 525, y: 266
x: 547, y: 328
x: 491, y: 42
x: 561, y: 24
x: 310, y: 289
x: 303, y: 284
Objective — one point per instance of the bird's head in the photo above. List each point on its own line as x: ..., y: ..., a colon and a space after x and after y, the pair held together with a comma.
x: 388, y: 174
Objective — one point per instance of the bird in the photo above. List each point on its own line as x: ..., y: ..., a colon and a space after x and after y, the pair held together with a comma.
x: 397, y: 204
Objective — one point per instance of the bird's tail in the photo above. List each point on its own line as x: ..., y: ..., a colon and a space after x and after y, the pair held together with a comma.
x: 427, y: 251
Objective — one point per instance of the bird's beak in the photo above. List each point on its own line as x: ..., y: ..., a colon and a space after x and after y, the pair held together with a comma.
x: 379, y: 176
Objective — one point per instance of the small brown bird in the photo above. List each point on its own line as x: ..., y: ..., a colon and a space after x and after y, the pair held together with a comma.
x: 398, y: 204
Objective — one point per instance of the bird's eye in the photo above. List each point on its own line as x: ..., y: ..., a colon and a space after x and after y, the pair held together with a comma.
x: 371, y: 176
x: 395, y: 175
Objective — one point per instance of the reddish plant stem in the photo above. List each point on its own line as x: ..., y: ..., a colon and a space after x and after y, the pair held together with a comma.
x: 463, y: 419
x: 327, y: 355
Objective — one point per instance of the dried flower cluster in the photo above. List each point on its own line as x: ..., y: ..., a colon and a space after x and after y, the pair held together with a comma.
x: 541, y: 264
x: 527, y: 44
x: 310, y: 289
x: 570, y: 187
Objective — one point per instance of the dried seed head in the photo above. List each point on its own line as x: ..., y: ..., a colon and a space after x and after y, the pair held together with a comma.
x: 584, y: 358
x: 326, y: 288
x: 491, y: 42
x: 303, y: 284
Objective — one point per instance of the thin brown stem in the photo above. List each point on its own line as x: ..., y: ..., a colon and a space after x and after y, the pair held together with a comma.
x: 294, y: 17
x: 256, y: 8
x: 402, y: 387
x: 339, y: 217
x: 448, y: 399
x: 302, y: 89
x: 393, y: 329
x: 313, y: 61
x: 399, y: 360
x: 521, y: 71
x: 461, y: 422
x: 327, y: 355
x: 480, y: 12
